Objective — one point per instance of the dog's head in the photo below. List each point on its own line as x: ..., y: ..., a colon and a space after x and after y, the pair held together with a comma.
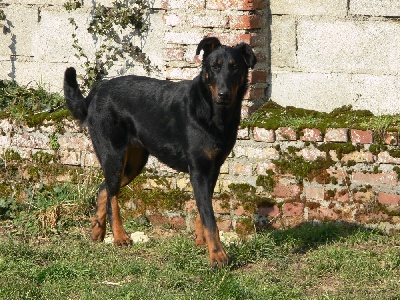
x: 225, y: 69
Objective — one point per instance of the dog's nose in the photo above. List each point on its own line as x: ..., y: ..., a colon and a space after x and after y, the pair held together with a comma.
x: 223, y: 95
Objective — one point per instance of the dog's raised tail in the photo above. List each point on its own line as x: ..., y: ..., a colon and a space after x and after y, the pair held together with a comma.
x: 76, y: 103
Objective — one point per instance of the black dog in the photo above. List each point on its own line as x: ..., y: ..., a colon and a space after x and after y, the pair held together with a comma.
x: 190, y: 126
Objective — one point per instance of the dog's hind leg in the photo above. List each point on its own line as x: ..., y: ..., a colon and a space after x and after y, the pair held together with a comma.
x: 135, y: 159
x: 98, y: 222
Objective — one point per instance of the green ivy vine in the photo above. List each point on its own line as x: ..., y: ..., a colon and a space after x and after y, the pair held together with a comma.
x: 113, y: 27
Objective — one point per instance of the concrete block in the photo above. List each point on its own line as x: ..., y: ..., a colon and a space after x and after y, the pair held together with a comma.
x: 53, y: 42
x: 39, y: 2
x: 377, y: 93
x: 389, y: 8
x: 349, y: 46
x: 283, y: 41
x: 49, y: 75
x: 21, y: 22
x: 322, y: 92
x: 6, y: 68
x: 309, y: 7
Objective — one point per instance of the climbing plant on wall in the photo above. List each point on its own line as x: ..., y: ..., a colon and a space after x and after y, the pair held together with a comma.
x: 112, y: 28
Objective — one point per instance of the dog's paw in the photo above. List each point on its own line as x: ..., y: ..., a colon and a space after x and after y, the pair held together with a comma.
x: 98, y: 231
x: 200, y: 241
x: 218, y: 258
x: 122, y: 240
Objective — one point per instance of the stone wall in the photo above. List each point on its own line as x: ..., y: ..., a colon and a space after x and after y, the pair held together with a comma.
x: 312, y: 54
x: 339, y: 175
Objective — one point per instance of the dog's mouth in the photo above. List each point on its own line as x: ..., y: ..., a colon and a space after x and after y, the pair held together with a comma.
x: 223, y: 102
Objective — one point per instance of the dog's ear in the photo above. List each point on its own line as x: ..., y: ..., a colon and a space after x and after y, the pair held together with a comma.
x: 208, y: 45
x: 248, y: 54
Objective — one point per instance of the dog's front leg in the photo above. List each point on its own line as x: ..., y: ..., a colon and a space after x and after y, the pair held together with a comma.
x: 203, y: 186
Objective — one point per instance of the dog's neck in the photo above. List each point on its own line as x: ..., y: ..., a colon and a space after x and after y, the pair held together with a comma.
x: 213, y: 115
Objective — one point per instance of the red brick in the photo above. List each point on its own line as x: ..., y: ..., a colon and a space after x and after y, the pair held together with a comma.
x: 311, y: 154
x: 391, y: 138
x: 157, y: 219
x: 208, y: 21
x: 342, y: 196
x: 235, y: 4
x: 389, y: 179
x: 185, y: 38
x: 263, y: 135
x: 178, y: 222
x: 314, y: 193
x: 293, y: 209
x: 243, y: 134
x: 336, y: 135
x: 339, y: 174
x: 233, y: 39
x: 246, y: 22
x: 369, y: 217
x: 258, y: 40
x: 285, y: 134
x: 181, y: 73
x: 257, y: 77
x: 288, y: 190
x: 172, y: 54
x: 242, y: 169
x: 386, y: 158
x: 364, y: 197
x: 191, y: 206
x: 359, y: 157
x: 70, y: 157
x: 311, y: 135
x: 34, y: 140
x: 254, y: 93
x: 323, y: 214
x: 264, y: 166
x: 243, y: 228
x: 390, y: 199
x: 172, y: 20
x: 221, y: 207
x: 224, y: 225
x: 75, y: 142
x: 268, y: 211
x: 183, y: 4
x: 361, y: 136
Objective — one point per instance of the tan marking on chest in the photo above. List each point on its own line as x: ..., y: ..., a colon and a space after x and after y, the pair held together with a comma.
x: 211, y: 153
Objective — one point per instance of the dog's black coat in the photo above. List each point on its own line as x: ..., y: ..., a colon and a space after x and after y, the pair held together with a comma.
x: 190, y: 126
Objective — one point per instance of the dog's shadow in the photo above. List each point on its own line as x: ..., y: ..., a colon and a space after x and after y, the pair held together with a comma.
x: 277, y: 244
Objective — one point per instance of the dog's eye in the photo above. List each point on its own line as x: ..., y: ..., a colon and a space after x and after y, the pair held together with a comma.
x: 216, y: 67
x: 233, y: 67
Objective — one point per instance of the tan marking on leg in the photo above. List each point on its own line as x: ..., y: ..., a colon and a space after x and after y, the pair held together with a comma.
x: 98, y: 222
x: 216, y: 251
x: 121, y: 238
x: 200, y: 238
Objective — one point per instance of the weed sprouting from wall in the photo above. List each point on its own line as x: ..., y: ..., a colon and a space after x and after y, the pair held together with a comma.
x: 113, y: 29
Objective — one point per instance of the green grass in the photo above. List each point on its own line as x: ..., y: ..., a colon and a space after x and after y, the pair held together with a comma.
x: 32, y: 104
x: 326, y: 261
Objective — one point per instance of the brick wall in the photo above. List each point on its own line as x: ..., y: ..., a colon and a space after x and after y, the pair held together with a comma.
x: 312, y: 54
x: 351, y: 179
